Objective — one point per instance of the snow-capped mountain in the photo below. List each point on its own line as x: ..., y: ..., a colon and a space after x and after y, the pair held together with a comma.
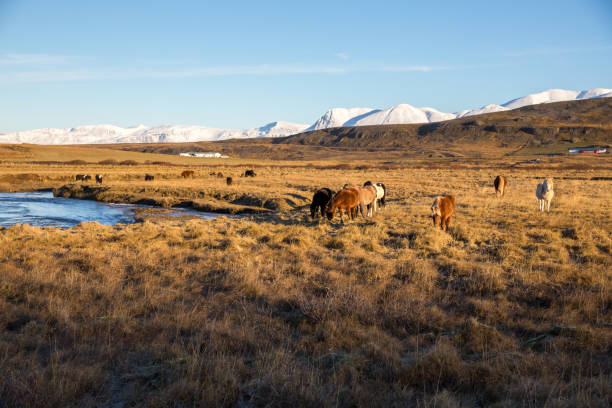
x: 336, y: 117
x: 102, y: 134
x: 405, y: 113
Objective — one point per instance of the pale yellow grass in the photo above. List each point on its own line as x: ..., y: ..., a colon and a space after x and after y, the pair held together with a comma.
x: 511, y: 307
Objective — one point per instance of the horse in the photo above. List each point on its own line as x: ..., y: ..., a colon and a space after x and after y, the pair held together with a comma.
x: 220, y: 175
x: 347, y: 199
x: 188, y: 173
x: 381, y: 193
x: 367, y: 199
x: 149, y: 177
x: 83, y: 177
x: 545, y: 194
x: 229, y: 181
x: 98, y: 179
x: 500, y: 184
x: 249, y: 173
x: 442, y: 211
x: 319, y: 201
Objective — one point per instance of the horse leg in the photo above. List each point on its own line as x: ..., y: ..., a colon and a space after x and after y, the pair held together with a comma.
x: 448, y: 222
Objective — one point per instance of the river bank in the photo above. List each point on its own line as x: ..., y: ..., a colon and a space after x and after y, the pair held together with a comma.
x: 216, y: 202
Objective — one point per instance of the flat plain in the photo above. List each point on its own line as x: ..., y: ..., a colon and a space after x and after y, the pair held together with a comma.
x: 511, y: 307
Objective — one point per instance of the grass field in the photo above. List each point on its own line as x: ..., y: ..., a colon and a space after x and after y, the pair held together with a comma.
x: 510, y: 308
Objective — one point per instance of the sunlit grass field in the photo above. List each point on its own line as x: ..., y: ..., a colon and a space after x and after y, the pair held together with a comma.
x: 510, y: 308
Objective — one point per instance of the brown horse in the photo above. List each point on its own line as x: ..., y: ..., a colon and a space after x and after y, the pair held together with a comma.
x: 442, y: 211
x: 500, y: 184
x: 188, y: 173
x: 347, y: 199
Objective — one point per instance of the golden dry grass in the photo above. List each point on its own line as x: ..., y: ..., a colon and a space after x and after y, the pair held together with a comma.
x: 512, y: 307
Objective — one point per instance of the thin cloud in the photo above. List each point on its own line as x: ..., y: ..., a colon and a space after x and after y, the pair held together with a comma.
x: 97, y: 73
x: 34, y: 59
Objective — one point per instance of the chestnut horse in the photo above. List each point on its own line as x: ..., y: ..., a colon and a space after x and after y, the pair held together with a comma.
x: 442, y: 211
x: 188, y: 173
x: 347, y: 199
x: 500, y: 185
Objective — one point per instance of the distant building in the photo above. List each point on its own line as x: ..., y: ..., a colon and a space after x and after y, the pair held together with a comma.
x: 587, y: 150
x: 204, y: 154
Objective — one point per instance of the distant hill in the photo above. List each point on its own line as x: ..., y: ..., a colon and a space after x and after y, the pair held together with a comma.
x: 536, y: 129
x: 546, y: 127
x: 405, y: 113
x: 336, y: 117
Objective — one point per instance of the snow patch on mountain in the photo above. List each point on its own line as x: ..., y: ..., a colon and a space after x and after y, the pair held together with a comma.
x: 104, y: 134
x: 405, y: 113
x: 337, y: 117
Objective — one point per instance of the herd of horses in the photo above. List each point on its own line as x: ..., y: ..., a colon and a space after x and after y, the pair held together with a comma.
x: 185, y: 174
x: 87, y: 177
x: 371, y: 197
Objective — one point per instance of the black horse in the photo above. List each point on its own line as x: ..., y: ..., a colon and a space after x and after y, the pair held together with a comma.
x: 319, y: 201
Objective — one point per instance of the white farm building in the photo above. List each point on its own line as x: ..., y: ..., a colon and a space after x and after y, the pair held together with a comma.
x: 204, y: 154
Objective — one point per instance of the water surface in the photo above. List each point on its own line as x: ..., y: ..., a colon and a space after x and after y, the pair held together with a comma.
x: 43, y: 209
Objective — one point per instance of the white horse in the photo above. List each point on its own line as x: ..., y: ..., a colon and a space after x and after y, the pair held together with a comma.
x: 381, y: 193
x: 545, y: 194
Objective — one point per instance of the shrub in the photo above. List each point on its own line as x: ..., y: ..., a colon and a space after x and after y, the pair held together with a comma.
x: 129, y: 163
x: 109, y: 162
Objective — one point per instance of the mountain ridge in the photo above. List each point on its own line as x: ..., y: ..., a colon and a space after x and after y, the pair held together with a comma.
x: 335, y: 117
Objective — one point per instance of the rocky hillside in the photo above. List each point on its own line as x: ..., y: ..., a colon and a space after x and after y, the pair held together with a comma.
x: 544, y: 126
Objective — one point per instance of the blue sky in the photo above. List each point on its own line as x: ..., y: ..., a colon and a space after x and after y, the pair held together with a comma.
x: 243, y: 64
